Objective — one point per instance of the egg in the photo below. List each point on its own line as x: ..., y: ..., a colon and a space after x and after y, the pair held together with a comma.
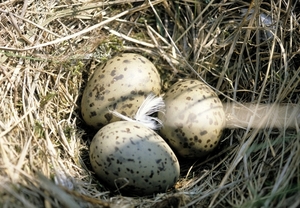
x: 121, y: 84
x: 133, y: 158
x: 193, y: 120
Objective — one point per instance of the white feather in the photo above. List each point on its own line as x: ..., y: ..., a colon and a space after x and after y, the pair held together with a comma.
x: 117, y: 114
x: 150, y: 105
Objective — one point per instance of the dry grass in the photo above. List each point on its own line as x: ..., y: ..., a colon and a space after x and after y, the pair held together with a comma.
x: 48, y: 49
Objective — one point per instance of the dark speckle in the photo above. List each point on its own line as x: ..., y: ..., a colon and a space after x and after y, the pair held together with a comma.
x: 111, y: 99
x: 152, y: 173
x: 121, y: 76
x: 93, y: 113
x: 133, y: 92
x: 142, y: 60
x: 129, y: 105
x: 108, y: 116
x: 113, y: 73
x: 128, y: 130
x: 158, y: 161
x: 203, y: 132
x: 123, y: 98
x: 103, y: 66
x: 140, y: 92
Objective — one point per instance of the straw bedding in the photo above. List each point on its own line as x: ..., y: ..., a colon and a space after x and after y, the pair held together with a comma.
x: 248, y: 52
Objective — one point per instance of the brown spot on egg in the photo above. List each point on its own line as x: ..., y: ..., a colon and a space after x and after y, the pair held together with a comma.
x: 140, y: 92
x: 113, y: 73
x: 133, y: 92
x: 93, y: 113
x: 202, y: 133
x: 103, y: 66
x: 98, y: 96
x: 108, y: 116
x: 142, y: 60
x: 129, y: 105
x: 111, y: 99
x: 128, y: 130
x: 192, y: 144
x: 117, y: 78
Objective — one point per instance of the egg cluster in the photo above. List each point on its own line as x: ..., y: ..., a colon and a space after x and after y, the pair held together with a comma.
x: 130, y: 156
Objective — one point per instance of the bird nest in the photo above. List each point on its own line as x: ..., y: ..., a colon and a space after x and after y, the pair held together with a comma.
x: 248, y: 52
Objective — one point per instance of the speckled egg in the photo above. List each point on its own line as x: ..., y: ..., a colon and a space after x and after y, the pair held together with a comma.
x: 121, y: 84
x: 133, y: 158
x: 194, y: 118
